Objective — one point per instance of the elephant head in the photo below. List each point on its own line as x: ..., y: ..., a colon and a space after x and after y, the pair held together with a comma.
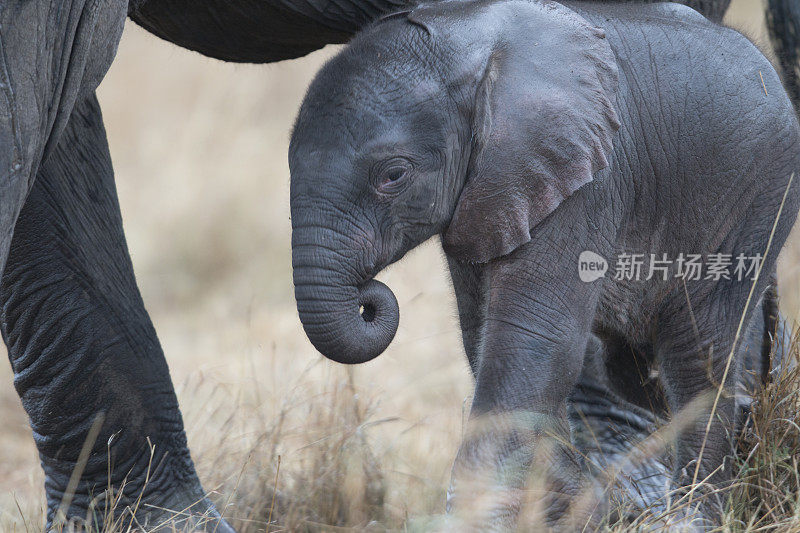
x: 434, y: 121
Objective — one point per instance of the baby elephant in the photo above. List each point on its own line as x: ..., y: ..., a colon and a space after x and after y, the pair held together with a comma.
x: 611, y: 172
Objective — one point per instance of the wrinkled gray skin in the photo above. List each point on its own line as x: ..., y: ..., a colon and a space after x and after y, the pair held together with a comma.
x: 524, y: 134
x: 81, y: 345
x: 79, y: 339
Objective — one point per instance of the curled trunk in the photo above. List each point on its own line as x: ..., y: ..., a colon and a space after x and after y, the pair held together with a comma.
x: 349, y: 318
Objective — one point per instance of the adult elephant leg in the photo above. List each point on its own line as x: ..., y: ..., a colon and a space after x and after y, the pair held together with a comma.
x: 783, y: 22
x: 52, y: 53
x: 531, y: 353
x: 87, y: 364
x: 712, y: 9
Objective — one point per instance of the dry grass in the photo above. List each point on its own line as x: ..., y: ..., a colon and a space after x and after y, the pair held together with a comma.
x: 767, y: 493
x: 200, y: 154
x: 336, y: 475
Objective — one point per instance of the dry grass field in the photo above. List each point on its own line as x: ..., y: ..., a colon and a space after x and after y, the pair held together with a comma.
x: 199, y: 148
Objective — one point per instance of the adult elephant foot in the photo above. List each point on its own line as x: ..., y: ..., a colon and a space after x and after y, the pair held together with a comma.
x: 202, y: 516
x: 87, y: 363
x: 636, y: 478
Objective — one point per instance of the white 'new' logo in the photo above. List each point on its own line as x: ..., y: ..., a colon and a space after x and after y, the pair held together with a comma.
x: 591, y: 266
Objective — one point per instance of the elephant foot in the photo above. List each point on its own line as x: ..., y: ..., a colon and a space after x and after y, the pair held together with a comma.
x: 170, y: 508
x: 205, y: 518
x: 684, y: 520
x: 200, y: 517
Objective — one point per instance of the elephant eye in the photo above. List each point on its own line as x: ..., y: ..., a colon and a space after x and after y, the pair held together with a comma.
x: 391, y: 174
x: 394, y: 174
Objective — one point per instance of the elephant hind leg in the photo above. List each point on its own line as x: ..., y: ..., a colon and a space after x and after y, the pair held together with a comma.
x: 701, y: 351
x: 85, y: 356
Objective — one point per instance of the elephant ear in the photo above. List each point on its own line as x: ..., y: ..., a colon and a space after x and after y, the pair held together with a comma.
x: 542, y: 126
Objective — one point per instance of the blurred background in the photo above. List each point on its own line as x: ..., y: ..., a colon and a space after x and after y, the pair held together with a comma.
x: 199, y: 148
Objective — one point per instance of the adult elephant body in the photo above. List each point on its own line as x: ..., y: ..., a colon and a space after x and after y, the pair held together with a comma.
x: 258, y: 31
x: 86, y: 359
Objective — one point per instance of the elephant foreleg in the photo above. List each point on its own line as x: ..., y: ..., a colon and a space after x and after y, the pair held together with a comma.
x: 87, y: 364
x: 529, y: 358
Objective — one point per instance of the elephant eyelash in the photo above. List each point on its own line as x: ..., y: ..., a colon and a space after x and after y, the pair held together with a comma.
x: 391, y: 175
x: 393, y: 186
x: 394, y: 175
